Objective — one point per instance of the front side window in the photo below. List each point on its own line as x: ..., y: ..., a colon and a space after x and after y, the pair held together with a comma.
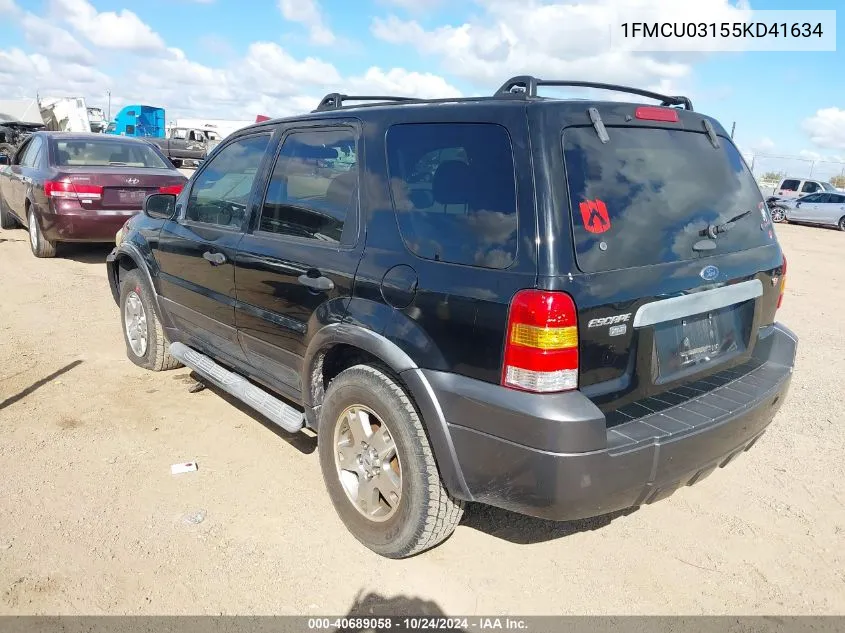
x: 454, y: 191
x: 313, y: 190
x: 221, y: 192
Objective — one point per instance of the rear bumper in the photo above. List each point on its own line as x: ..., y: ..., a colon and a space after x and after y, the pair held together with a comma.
x: 90, y: 226
x: 553, y: 456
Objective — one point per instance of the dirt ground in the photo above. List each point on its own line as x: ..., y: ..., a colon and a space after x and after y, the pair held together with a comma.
x: 92, y: 521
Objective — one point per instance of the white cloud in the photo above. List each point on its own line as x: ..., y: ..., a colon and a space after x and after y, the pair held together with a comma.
x: 122, y: 30
x: 555, y: 40
x: 309, y: 14
x: 8, y: 7
x: 54, y: 41
x: 415, y: 6
x: 827, y: 128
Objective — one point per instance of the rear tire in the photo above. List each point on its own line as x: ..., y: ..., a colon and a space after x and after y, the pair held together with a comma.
x: 40, y: 246
x: 778, y: 214
x: 7, y: 220
x: 146, y: 344
x: 841, y: 223
x: 365, y: 465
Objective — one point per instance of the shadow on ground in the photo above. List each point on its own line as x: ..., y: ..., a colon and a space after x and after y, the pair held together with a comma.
x: 38, y: 384
x: 300, y: 441
x: 84, y: 253
x: 374, y: 605
x: 525, y: 530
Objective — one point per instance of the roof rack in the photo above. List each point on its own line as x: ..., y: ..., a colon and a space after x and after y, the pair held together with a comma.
x: 334, y: 100
x: 525, y: 86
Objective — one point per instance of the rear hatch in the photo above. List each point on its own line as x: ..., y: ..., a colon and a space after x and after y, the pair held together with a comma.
x: 119, y: 188
x: 659, y: 232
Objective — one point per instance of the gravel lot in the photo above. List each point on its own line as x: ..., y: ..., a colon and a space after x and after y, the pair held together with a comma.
x: 92, y: 521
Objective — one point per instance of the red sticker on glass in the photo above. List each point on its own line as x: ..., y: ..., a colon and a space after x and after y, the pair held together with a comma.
x: 594, y: 216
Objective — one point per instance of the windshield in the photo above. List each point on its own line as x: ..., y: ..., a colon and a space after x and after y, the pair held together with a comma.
x: 828, y: 187
x: 105, y: 153
x: 647, y: 196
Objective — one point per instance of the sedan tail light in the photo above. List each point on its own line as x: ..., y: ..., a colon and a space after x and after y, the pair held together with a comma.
x: 541, y: 350
x: 172, y: 189
x: 72, y: 190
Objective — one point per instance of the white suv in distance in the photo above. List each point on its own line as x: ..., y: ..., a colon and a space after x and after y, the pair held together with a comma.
x: 796, y: 187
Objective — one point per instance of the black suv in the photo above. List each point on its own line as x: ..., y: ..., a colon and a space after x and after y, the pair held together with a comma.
x: 563, y: 308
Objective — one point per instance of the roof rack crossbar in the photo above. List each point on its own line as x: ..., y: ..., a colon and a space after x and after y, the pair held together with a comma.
x: 335, y: 100
x: 525, y: 86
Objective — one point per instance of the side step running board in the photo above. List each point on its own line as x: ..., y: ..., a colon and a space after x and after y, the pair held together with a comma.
x: 277, y: 411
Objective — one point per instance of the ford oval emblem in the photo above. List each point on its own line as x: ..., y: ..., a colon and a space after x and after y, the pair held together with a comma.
x: 709, y: 273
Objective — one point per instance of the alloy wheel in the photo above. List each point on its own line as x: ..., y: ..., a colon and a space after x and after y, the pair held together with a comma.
x: 367, y: 463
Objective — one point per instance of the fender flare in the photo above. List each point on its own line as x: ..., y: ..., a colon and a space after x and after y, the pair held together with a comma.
x: 127, y: 249
x: 421, y: 391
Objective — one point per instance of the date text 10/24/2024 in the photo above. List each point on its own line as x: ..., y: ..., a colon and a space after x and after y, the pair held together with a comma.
x: 418, y: 623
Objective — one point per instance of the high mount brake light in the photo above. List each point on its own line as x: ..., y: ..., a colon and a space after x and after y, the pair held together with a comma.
x: 541, y: 350
x: 654, y: 113
x: 72, y: 190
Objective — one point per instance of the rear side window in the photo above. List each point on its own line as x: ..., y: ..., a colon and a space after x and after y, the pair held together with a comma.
x: 454, y: 191
x: 810, y: 187
x: 646, y: 197
x: 790, y: 185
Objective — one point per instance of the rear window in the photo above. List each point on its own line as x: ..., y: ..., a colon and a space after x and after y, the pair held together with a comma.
x: 106, y: 153
x: 644, y: 197
x: 454, y: 192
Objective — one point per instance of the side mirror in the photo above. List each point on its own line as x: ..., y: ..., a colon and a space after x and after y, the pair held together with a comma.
x: 160, y: 206
x: 5, y: 159
x: 797, y: 204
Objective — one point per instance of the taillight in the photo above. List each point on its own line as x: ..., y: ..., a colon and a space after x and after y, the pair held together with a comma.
x: 654, y: 113
x: 782, y: 282
x: 541, y: 350
x: 172, y: 189
x: 72, y: 190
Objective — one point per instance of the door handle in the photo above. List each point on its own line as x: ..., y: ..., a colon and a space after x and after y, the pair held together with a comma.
x: 215, y: 259
x: 316, y: 283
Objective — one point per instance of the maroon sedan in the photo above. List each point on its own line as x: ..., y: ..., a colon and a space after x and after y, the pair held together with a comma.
x: 68, y: 187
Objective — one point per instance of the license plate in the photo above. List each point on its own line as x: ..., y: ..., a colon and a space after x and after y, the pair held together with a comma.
x: 686, y: 345
x: 131, y: 196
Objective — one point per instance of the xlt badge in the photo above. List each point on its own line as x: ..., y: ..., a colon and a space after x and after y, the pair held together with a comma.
x: 611, y: 320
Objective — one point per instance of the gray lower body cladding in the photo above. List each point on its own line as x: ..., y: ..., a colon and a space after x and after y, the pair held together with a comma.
x: 634, y: 463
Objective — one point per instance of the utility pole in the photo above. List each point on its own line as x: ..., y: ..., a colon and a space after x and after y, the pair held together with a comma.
x: 812, y: 165
x: 108, y: 92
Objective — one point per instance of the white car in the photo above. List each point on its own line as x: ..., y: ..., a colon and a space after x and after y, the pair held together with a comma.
x: 826, y: 209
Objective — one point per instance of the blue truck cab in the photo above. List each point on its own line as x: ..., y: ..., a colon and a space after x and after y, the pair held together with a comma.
x: 138, y: 120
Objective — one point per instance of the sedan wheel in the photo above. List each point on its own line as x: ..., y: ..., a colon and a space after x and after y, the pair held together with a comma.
x: 40, y: 246
x: 135, y: 322
x: 778, y: 214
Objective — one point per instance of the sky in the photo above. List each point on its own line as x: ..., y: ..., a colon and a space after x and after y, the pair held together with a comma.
x: 237, y: 59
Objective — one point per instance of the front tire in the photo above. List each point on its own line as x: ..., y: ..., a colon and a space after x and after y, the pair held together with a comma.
x: 379, y: 468
x: 841, y: 223
x: 778, y: 214
x: 40, y: 245
x: 146, y: 344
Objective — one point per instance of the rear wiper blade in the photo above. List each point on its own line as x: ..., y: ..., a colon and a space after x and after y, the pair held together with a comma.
x: 713, y: 230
